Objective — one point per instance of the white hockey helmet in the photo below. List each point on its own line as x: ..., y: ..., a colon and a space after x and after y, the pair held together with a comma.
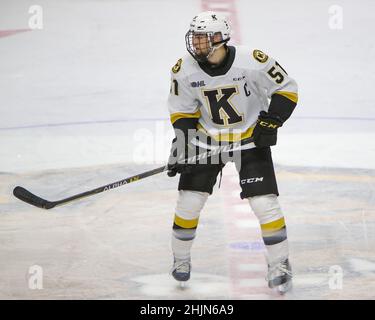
x: 207, y: 24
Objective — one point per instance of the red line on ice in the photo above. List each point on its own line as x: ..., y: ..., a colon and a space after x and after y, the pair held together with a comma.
x: 227, y: 7
x: 235, y: 233
x: 6, y: 33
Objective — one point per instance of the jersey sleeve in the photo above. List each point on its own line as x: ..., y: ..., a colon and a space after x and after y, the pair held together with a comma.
x: 278, y: 85
x: 182, y: 103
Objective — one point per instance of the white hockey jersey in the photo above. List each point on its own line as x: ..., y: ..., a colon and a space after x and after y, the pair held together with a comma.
x: 227, y: 101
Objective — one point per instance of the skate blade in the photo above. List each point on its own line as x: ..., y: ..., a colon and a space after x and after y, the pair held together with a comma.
x: 182, y: 285
x: 284, y: 288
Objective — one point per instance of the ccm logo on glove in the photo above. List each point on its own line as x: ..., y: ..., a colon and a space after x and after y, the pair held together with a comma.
x: 267, y: 124
x: 265, y: 131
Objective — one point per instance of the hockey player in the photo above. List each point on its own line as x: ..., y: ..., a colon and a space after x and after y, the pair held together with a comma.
x: 229, y: 93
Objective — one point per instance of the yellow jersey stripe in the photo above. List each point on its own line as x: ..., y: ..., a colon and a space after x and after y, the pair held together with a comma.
x: 180, y: 115
x: 228, y: 137
x: 187, y: 224
x: 289, y: 95
x: 273, y: 226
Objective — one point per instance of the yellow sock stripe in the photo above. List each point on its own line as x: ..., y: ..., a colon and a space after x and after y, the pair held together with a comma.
x: 187, y: 224
x: 290, y: 95
x: 180, y: 115
x: 273, y: 226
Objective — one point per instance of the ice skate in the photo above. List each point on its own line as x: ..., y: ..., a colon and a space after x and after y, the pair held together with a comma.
x: 280, y: 276
x: 181, y: 271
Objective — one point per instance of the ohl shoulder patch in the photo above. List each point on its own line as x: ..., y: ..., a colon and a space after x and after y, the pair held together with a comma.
x: 260, y: 56
x: 176, y: 68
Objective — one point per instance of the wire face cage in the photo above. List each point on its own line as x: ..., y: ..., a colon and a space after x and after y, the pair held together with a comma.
x: 199, y: 44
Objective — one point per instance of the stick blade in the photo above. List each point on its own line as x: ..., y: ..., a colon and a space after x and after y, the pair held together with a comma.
x: 28, y: 197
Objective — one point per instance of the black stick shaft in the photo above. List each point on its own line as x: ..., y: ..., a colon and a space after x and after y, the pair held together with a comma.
x: 30, y: 198
x: 26, y: 196
x: 112, y: 185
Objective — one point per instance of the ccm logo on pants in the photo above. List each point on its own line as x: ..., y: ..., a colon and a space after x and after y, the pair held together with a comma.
x: 251, y: 180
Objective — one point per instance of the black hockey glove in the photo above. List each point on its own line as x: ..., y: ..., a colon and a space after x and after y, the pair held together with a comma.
x: 265, y: 131
x: 179, y: 154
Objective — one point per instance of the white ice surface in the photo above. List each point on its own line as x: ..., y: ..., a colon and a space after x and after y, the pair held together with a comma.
x: 97, y: 68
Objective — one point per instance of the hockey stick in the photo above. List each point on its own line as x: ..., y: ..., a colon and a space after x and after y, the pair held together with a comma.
x: 26, y: 196
x: 30, y: 198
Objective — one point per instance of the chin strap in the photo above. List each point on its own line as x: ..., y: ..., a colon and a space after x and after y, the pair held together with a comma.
x: 216, y: 46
